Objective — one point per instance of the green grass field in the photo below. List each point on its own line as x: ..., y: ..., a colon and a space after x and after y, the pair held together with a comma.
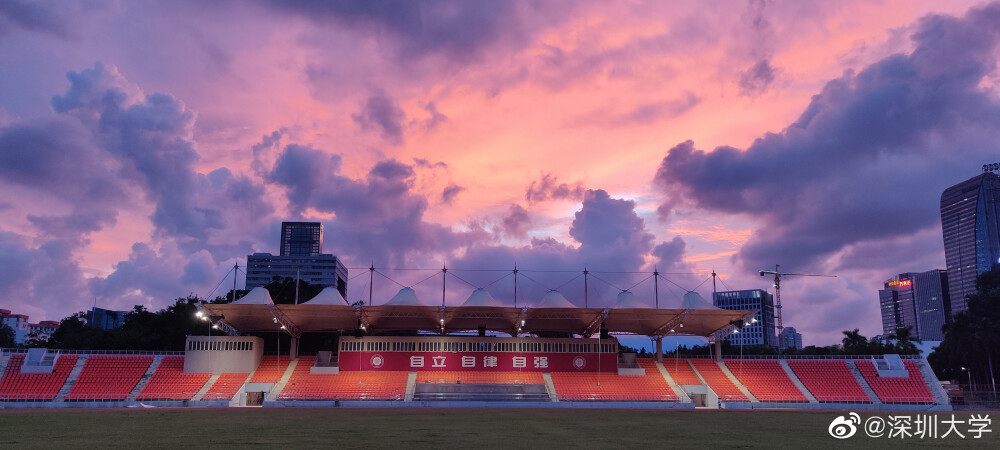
x: 441, y: 428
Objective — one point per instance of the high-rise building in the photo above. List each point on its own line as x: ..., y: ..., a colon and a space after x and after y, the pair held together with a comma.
x: 301, y: 238
x: 917, y: 300
x: 971, y: 229
x: 757, y: 333
x: 301, y: 258
x: 789, y: 338
x: 320, y: 270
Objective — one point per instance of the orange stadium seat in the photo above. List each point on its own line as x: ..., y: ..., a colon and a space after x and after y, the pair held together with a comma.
x: 271, y: 369
x: 765, y: 379
x: 590, y: 386
x: 109, y: 377
x: 681, y: 371
x: 908, y: 389
x: 346, y: 385
x: 34, y: 386
x: 226, y: 386
x: 717, y: 380
x: 829, y: 380
x: 169, y: 382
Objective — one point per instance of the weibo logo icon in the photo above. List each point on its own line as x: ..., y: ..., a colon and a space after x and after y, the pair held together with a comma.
x: 845, y: 427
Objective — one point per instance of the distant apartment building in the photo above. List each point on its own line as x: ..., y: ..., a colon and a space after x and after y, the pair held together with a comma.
x: 789, y: 338
x: 301, y: 258
x: 918, y: 300
x: 756, y: 333
x: 23, y: 330
x: 42, y: 331
x: 18, y: 323
x: 971, y: 229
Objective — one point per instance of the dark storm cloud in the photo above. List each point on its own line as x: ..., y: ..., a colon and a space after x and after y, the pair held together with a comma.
x: 612, y: 238
x: 866, y: 160
x: 759, y: 35
x: 150, y: 136
x: 303, y: 170
x: 262, y: 151
x: 757, y: 78
x: 436, y: 117
x: 670, y: 255
x: 548, y: 187
x: 33, y: 16
x: 517, y: 222
x: 54, y: 156
x: 456, y: 29
x: 381, y: 113
x: 379, y: 217
x: 450, y: 192
x: 145, y: 271
x: 611, y: 235
x: 47, y: 276
x: 107, y: 141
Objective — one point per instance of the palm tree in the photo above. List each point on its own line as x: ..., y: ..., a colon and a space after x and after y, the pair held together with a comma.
x: 904, y: 340
x: 854, y: 343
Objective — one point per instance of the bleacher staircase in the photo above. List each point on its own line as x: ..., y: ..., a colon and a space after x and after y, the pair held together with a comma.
x: 411, y: 385
x: 795, y: 379
x: 681, y: 395
x: 736, y: 382
x: 280, y: 385
x: 862, y: 382
x: 940, y: 396
x: 204, y: 389
x: 550, y: 387
x: 145, y: 378
x: 73, y: 375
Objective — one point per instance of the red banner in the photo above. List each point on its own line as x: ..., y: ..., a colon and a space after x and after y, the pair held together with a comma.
x: 479, y: 361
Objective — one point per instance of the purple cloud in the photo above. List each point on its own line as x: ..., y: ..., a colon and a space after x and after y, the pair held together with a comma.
x: 548, y: 187
x: 383, y: 114
x: 517, y: 222
x: 455, y: 29
x: 450, y: 192
x: 757, y: 78
x: 894, y: 129
x: 33, y: 16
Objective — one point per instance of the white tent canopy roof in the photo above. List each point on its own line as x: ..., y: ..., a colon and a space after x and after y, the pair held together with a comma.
x: 481, y: 297
x: 405, y: 297
x: 694, y: 300
x: 626, y: 299
x: 256, y: 296
x: 554, y: 299
x: 328, y: 296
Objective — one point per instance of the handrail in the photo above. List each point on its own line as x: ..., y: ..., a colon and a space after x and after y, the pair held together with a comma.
x: 668, y: 355
x: 13, y: 351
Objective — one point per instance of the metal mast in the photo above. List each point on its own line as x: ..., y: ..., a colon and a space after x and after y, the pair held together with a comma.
x: 777, y: 291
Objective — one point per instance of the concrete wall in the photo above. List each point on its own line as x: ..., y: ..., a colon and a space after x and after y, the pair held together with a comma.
x: 219, y: 354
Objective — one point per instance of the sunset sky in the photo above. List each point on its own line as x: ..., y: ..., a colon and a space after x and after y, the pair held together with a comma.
x: 146, y: 147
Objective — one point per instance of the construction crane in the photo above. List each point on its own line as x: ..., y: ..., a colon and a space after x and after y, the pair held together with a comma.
x: 777, y: 290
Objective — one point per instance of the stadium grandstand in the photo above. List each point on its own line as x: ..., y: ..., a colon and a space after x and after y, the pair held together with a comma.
x: 405, y: 353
